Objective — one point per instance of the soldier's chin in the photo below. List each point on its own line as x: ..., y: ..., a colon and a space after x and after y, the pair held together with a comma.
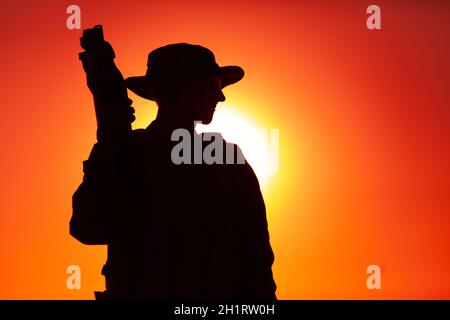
x: 207, y: 119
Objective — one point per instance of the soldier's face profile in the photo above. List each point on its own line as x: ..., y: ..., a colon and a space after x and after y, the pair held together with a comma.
x: 201, y: 97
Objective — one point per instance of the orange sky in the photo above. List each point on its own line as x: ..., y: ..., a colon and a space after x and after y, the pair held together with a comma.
x: 364, y: 135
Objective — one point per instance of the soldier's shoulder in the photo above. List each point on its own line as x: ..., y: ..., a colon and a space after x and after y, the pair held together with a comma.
x: 234, y: 152
x: 240, y: 162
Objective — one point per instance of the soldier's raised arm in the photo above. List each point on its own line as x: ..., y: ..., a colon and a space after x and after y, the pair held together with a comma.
x: 103, y: 192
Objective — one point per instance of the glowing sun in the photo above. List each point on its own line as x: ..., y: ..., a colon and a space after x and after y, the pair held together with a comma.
x: 260, y: 146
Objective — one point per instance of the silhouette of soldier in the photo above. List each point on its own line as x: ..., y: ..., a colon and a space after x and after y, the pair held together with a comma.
x: 175, y: 231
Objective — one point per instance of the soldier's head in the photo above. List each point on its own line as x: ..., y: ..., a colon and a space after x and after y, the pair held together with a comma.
x: 185, y: 81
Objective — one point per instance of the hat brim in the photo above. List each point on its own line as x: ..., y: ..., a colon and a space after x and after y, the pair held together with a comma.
x: 140, y: 85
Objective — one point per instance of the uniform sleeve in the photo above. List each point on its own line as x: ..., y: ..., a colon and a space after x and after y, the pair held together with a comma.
x: 98, y: 200
x: 259, y: 255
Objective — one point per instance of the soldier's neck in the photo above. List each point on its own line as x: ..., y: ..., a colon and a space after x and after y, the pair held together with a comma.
x: 165, y: 124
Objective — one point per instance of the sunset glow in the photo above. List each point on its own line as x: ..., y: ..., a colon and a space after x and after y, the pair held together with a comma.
x: 364, y: 138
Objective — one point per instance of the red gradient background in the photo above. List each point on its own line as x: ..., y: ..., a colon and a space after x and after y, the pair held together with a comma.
x: 364, y: 135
